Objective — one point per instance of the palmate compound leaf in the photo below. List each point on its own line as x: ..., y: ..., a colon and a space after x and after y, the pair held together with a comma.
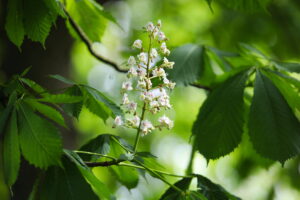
x: 11, y: 151
x: 273, y: 128
x: 40, y: 141
x: 219, y: 125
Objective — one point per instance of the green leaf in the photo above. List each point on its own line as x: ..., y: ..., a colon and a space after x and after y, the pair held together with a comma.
x: 38, y: 19
x: 14, y: 22
x: 46, y: 110
x: 213, y: 191
x: 273, y: 128
x: 219, y: 125
x: 288, y: 66
x: 34, y: 86
x: 11, y: 151
x: 6, y: 112
x: 87, y: 14
x: 99, y: 104
x: 74, y: 109
x: 40, y: 142
x: 62, y: 79
x: 66, y: 183
x: 100, y: 188
x: 60, y: 98
x: 291, y: 95
x: 172, y: 194
x: 188, y: 64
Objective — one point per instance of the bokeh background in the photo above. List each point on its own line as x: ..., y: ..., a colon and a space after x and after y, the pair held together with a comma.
x: 275, y: 31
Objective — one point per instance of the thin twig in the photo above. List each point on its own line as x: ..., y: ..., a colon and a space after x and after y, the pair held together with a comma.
x: 103, y: 164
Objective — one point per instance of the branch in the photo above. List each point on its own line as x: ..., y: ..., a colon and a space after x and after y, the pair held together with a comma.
x: 88, y: 44
x: 103, y: 164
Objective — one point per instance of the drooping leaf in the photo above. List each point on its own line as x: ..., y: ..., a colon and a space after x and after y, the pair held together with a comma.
x: 14, y: 22
x: 173, y: 194
x: 38, y: 19
x: 86, y: 14
x: 288, y: 66
x: 62, y: 79
x: 213, y: 191
x: 40, y: 142
x: 74, y: 109
x: 219, y: 125
x: 34, y: 86
x: 100, y: 188
x: 66, y: 183
x: 273, y: 128
x: 99, y: 104
x: 47, y: 111
x: 4, y: 115
x: 60, y: 98
x: 11, y: 151
x: 188, y: 64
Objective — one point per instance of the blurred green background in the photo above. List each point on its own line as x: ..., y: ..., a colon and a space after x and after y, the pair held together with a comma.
x: 274, y: 31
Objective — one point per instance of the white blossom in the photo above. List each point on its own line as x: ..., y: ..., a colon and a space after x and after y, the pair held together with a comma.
x: 161, y: 36
x: 131, y: 106
x: 143, y: 57
x: 141, y: 84
x: 137, y: 44
x: 164, y: 121
x: 141, y: 72
x: 132, y: 72
x: 147, y: 96
x: 159, y: 23
x: 167, y: 63
x: 150, y: 27
x: 164, y: 49
x: 118, y: 121
x: 125, y: 99
x: 146, y: 127
x: 153, y: 53
x: 131, y: 61
x: 127, y: 85
x: 159, y: 72
x: 134, y: 122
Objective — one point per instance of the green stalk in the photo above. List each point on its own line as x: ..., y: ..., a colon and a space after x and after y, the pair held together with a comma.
x: 138, y: 134
x: 96, y: 154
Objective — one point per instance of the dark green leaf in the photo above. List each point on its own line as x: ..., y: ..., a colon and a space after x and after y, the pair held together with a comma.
x: 213, y: 191
x: 40, y: 142
x: 87, y: 14
x: 14, y: 22
x: 188, y: 64
x: 219, y: 125
x: 74, y: 109
x: 46, y: 110
x: 273, y: 128
x: 173, y: 194
x: 62, y: 79
x: 288, y: 66
x: 100, y: 188
x: 66, y: 183
x: 60, y: 98
x: 34, y: 86
x: 38, y: 19
x: 6, y: 112
x: 11, y: 151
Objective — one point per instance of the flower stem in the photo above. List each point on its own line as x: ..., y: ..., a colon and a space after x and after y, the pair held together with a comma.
x: 96, y: 154
x: 138, y: 134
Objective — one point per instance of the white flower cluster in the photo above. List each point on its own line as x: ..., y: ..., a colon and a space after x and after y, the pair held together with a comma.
x: 150, y: 81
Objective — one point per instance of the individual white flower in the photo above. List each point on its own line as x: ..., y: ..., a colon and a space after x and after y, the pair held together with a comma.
x: 159, y: 72
x: 131, y: 72
x: 164, y: 49
x: 147, y: 96
x: 141, y: 84
x: 137, y: 44
x: 118, y: 121
x: 154, y: 107
x: 153, y: 53
x: 127, y: 85
x: 134, y: 122
x: 164, y: 121
x: 125, y: 99
x: 167, y: 63
x: 146, y: 127
x: 131, y: 61
x: 159, y: 23
x: 155, y: 32
x: 161, y: 36
x: 169, y: 83
x: 141, y: 72
x: 131, y: 106
x: 148, y: 83
x: 150, y: 27
x: 142, y: 57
